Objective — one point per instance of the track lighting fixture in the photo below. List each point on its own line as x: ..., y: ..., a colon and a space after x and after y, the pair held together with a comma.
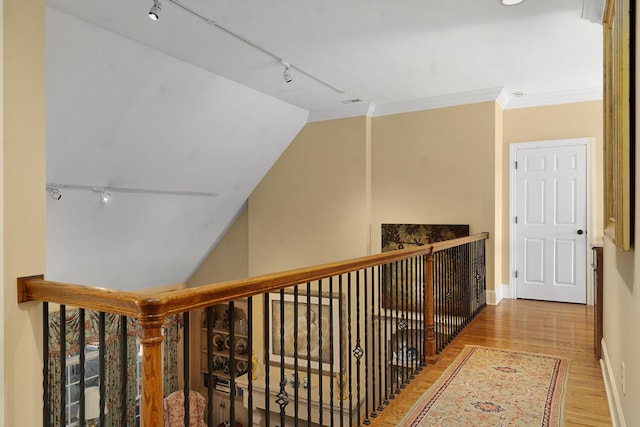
x: 287, y: 72
x: 154, y: 12
x: 54, y: 193
x: 105, y: 192
x: 105, y: 197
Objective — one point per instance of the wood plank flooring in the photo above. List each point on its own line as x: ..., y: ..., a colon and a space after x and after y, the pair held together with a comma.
x: 564, y: 330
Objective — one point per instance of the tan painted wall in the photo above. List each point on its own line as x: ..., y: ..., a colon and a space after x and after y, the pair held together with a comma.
x: 436, y: 167
x: 310, y: 208
x: 622, y: 305
x: 564, y: 121
x: 229, y: 260
x: 23, y: 202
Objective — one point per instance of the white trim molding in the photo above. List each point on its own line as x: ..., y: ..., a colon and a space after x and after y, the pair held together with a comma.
x: 554, y: 98
x: 502, y: 292
x: 593, y: 10
x: 351, y: 110
x: 615, y: 406
x: 502, y: 95
x: 451, y: 100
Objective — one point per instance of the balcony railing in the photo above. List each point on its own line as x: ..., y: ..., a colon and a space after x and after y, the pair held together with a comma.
x: 328, y: 345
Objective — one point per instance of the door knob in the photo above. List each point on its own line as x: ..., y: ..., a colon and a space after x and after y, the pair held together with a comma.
x: 580, y: 231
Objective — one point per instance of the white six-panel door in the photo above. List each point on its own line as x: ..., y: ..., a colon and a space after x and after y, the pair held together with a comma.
x: 551, y: 223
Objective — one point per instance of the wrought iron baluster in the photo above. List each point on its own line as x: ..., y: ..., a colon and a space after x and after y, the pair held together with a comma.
x: 320, y: 366
x: 358, y: 352
x: 123, y: 370
x: 450, y: 286
x: 349, y: 308
x: 296, y: 374
x: 463, y: 307
x: 63, y: 364
x: 419, y: 324
x: 308, y: 356
x: 209, y: 317
x: 282, y: 398
x: 412, y: 311
x: 250, y: 353
x: 396, y: 303
x: 232, y: 363
x: 468, y: 283
x: 331, y: 351
x: 82, y: 361
x: 447, y: 283
x: 366, y: 420
x: 186, y: 331
x: 381, y: 321
x: 101, y: 364
x: 340, y: 344
x: 438, y: 301
x: 421, y: 304
x: 267, y: 342
x: 403, y: 325
x: 373, y: 413
x: 387, y: 368
x: 46, y: 414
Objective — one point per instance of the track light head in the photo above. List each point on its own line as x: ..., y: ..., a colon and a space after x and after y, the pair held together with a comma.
x: 287, y: 72
x: 105, y: 197
x: 54, y: 193
x: 154, y: 12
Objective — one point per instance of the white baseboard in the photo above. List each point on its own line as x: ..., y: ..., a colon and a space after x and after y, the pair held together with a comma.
x: 501, y: 292
x: 615, y: 406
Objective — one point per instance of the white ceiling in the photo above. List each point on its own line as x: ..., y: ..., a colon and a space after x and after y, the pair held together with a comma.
x: 180, y: 105
x: 379, y: 51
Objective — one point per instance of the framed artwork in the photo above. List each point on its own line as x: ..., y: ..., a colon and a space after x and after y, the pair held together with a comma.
x: 314, y: 322
x: 619, y: 129
x: 401, y: 283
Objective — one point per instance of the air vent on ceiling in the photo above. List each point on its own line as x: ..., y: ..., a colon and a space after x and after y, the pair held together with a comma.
x: 351, y: 101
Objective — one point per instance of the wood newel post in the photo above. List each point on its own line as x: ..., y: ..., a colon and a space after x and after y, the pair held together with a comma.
x: 152, y: 385
x: 429, y: 322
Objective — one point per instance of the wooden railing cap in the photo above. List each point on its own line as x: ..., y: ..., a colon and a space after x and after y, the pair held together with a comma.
x: 148, y: 306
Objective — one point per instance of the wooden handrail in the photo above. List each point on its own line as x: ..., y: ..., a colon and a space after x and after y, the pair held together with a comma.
x: 151, y: 309
x: 35, y: 288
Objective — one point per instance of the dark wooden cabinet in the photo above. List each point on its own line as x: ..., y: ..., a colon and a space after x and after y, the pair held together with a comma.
x: 597, y: 295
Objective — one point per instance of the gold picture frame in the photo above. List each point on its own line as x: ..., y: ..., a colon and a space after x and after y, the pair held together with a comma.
x: 325, y: 318
x: 619, y: 109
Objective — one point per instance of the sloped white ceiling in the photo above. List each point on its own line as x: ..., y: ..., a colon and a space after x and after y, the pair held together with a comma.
x: 120, y: 114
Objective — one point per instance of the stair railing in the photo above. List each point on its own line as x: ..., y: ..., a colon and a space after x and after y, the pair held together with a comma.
x: 419, y: 298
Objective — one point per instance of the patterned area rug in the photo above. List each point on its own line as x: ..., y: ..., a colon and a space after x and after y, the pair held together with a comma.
x: 492, y: 387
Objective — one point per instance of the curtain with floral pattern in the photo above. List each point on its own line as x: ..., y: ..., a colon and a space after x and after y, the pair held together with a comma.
x: 112, y: 380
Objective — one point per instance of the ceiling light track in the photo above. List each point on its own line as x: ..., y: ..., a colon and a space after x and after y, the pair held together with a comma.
x: 253, y: 45
x: 107, y: 190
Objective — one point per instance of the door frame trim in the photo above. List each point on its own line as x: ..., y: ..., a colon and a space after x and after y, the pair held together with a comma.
x: 589, y: 168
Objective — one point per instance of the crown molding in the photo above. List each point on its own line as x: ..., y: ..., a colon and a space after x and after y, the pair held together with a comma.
x: 593, y: 10
x: 501, y: 95
x: 504, y: 97
x: 352, y: 110
x: 452, y: 100
x: 563, y: 97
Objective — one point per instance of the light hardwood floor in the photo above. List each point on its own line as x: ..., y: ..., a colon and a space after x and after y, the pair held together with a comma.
x: 564, y: 330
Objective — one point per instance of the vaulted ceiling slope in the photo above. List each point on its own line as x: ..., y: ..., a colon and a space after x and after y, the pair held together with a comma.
x: 120, y: 114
